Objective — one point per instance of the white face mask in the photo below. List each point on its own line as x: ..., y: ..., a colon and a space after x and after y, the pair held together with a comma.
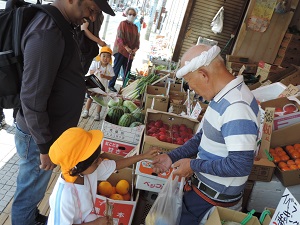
x: 130, y: 18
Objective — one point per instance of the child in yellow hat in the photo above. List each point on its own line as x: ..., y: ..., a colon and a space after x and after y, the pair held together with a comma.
x: 103, y: 69
x: 77, y: 153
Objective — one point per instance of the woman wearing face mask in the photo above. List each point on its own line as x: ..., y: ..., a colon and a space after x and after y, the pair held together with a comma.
x: 126, y: 44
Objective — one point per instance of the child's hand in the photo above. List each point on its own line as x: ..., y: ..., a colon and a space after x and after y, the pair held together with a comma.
x: 102, y: 75
x: 104, y: 221
x: 152, y: 152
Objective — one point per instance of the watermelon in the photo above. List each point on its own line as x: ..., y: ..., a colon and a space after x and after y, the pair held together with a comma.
x: 135, y: 124
x: 130, y: 105
x: 114, y: 114
x: 126, y: 120
x: 139, y: 117
x: 115, y: 102
x: 126, y: 110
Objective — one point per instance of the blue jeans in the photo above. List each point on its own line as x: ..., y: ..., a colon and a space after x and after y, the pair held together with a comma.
x: 31, y: 181
x: 120, y: 61
x: 194, y: 208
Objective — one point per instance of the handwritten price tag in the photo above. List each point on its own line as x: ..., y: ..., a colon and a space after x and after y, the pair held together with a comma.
x: 287, y: 211
x: 289, y: 91
x: 266, y: 132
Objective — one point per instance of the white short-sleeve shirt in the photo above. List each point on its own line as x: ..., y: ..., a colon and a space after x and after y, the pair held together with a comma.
x: 73, y: 203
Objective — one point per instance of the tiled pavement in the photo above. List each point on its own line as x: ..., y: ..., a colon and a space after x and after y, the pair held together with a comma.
x: 8, y: 161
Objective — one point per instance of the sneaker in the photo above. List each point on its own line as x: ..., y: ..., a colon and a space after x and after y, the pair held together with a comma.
x: 2, y: 122
x: 112, y: 89
x: 85, y: 114
x: 97, y: 117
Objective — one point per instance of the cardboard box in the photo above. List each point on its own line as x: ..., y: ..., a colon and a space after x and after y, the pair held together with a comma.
x: 268, y: 217
x: 282, y: 137
x: 293, y: 79
x: 262, y: 170
x: 236, y: 66
x: 116, y: 147
x: 233, y: 58
x: 129, y: 135
x: 159, y: 94
x: 123, y: 211
x: 177, y: 108
x: 224, y: 214
x: 268, y: 92
x: 147, y: 180
x: 170, y: 119
x: 281, y: 120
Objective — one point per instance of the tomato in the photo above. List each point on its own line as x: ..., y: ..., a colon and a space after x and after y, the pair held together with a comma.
x: 158, y: 123
x: 166, y: 126
x: 162, y: 129
x: 169, y: 139
x: 175, y: 135
x: 162, y: 137
x: 190, y: 130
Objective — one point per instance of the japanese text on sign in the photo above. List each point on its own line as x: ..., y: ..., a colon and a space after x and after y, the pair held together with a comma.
x: 287, y: 211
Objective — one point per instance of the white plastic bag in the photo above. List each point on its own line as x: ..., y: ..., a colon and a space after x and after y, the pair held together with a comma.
x: 167, y: 207
x: 217, y: 22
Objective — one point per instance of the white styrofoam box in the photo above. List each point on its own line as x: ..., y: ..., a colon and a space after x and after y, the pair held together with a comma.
x: 268, y: 194
x: 129, y: 135
x: 268, y: 92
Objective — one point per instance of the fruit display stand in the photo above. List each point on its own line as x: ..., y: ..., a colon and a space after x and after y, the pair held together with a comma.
x: 166, y: 132
x: 145, y: 178
x: 287, y: 136
x: 286, y: 111
x: 123, y: 210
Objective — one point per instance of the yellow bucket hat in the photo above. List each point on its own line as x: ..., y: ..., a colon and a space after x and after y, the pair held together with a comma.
x: 73, y: 146
x: 104, y: 49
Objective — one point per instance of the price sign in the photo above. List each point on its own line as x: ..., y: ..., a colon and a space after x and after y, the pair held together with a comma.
x: 287, y: 211
x: 289, y: 91
x: 266, y: 132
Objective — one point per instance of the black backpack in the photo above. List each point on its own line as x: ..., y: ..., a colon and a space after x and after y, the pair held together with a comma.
x: 13, y: 21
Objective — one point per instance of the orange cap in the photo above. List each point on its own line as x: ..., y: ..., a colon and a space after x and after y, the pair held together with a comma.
x: 105, y: 49
x: 73, y: 146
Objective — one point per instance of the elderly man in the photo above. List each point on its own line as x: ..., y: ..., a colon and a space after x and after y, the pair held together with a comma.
x: 224, y: 146
x: 52, y: 96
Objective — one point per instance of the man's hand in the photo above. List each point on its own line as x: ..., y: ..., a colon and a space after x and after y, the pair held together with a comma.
x: 182, y: 168
x: 161, y: 163
x: 101, y: 43
x: 46, y: 163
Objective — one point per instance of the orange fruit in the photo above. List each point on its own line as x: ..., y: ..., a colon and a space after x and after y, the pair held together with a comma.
x: 114, y: 190
x: 297, y: 146
x: 285, y: 169
x: 282, y: 164
x: 273, y: 154
x: 297, y: 161
x: 289, y: 147
x: 296, y: 155
x: 272, y: 150
x: 105, y: 188
x: 281, y: 153
x: 284, y: 158
x: 126, y: 197
x: 122, y: 187
x: 290, y: 162
x: 276, y: 159
x: 293, y: 167
x: 278, y: 149
x: 116, y: 197
x: 298, y: 166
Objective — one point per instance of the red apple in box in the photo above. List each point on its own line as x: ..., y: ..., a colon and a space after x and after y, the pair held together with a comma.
x: 290, y: 108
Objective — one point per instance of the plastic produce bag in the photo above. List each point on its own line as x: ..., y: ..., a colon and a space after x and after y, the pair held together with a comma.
x: 217, y: 22
x: 167, y: 207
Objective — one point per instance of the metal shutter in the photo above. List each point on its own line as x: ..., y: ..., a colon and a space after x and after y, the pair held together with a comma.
x: 202, y: 15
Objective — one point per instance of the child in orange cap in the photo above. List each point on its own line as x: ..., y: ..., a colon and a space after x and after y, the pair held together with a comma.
x: 77, y: 153
x: 103, y: 69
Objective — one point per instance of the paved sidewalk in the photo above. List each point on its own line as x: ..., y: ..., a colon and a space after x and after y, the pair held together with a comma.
x: 8, y: 161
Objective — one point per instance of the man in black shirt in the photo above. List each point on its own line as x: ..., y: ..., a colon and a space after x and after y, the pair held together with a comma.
x: 51, y: 99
